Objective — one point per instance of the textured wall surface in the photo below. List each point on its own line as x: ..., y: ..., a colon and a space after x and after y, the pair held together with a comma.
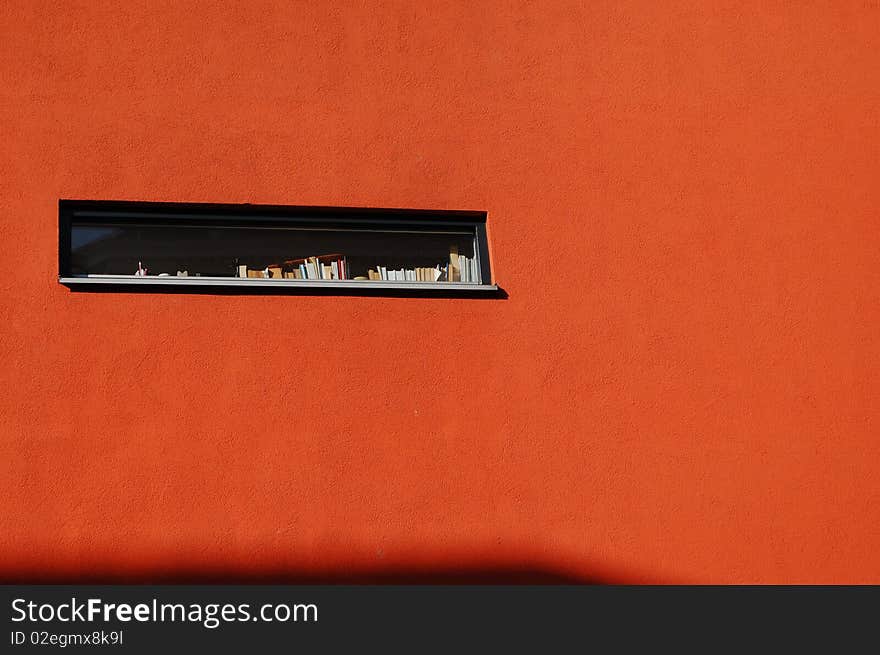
x: 684, y: 210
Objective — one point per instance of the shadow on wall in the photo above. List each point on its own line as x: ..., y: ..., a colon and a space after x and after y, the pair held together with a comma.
x: 415, y: 292
x: 483, y: 572
x: 398, y: 576
x: 529, y: 560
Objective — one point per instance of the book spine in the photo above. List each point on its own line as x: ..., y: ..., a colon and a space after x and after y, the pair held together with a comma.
x: 454, y: 270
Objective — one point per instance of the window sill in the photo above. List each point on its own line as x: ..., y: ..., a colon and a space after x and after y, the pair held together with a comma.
x: 324, y: 286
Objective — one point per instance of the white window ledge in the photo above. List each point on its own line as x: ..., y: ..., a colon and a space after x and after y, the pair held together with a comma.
x: 203, y: 281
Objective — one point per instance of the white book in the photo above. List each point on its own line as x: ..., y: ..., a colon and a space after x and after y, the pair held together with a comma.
x: 334, y: 270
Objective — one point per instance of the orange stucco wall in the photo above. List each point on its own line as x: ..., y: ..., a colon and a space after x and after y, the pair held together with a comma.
x: 683, y: 208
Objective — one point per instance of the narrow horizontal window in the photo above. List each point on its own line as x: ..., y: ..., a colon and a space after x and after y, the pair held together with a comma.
x: 327, y: 248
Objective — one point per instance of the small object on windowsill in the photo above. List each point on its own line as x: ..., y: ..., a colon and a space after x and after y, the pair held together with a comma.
x: 360, y: 277
x: 182, y: 273
x: 141, y: 272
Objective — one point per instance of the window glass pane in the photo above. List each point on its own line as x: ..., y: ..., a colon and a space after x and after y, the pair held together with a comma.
x: 430, y: 254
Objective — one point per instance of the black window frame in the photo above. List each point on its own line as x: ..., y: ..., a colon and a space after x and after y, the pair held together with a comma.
x: 244, y: 215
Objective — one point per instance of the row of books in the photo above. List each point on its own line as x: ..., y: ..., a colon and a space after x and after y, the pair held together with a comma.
x: 418, y: 274
x: 464, y: 269
x: 322, y: 267
x: 335, y: 267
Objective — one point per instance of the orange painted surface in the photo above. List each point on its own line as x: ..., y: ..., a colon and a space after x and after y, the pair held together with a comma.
x: 684, y: 209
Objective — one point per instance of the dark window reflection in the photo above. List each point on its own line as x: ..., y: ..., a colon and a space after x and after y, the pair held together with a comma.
x: 219, y: 251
